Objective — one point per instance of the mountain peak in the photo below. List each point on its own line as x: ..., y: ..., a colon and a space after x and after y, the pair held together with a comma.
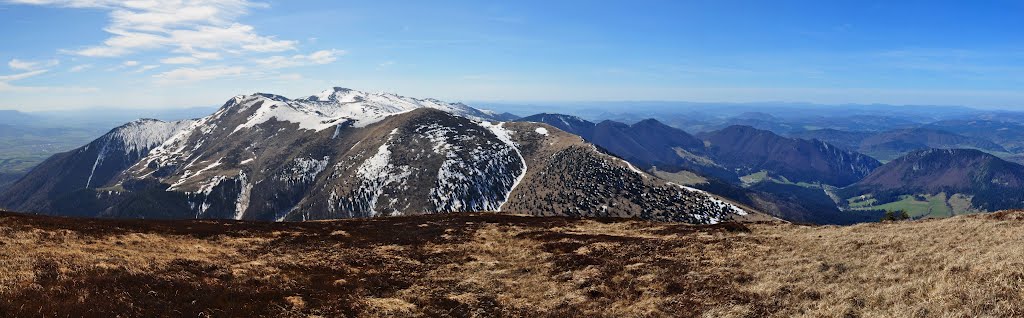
x: 336, y: 105
x: 612, y: 123
x: 648, y: 122
x: 990, y: 182
x: 334, y: 94
x: 141, y: 121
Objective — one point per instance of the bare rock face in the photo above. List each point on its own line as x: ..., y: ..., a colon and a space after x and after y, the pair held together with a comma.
x: 344, y: 154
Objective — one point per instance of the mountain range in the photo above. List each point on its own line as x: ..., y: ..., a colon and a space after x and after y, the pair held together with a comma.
x: 345, y: 153
x: 720, y: 161
x: 889, y: 145
x: 958, y: 180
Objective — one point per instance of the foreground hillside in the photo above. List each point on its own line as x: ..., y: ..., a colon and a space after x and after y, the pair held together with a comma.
x: 503, y: 265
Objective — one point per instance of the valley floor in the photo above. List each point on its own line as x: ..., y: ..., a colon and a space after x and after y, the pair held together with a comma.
x: 502, y: 265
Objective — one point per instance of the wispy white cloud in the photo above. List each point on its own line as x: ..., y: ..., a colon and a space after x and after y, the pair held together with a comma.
x: 124, y: 64
x: 20, y: 76
x: 22, y: 65
x: 315, y: 58
x: 7, y: 86
x: 79, y: 68
x: 192, y: 74
x: 188, y: 33
x: 145, y: 68
x: 197, y: 27
x: 204, y: 55
x: 181, y: 60
x: 289, y: 77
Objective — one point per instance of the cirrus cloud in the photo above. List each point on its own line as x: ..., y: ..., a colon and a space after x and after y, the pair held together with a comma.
x: 192, y: 74
x: 195, y: 27
x: 7, y: 86
x: 316, y: 58
x: 184, y: 36
x: 22, y: 65
x: 180, y: 60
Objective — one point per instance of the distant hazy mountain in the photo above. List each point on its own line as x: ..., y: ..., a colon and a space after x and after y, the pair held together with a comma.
x: 13, y: 117
x: 345, y: 153
x: 849, y: 140
x: 1009, y: 135
x: 749, y: 150
x: 110, y: 117
x: 891, y: 144
x: 631, y: 111
x: 650, y: 142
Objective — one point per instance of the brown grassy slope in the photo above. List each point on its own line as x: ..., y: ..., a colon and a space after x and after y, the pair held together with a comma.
x: 500, y: 265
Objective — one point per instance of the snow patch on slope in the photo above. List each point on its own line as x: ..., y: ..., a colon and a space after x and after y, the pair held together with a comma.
x: 138, y: 137
x: 477, y: 173
x: 506, y: 136
x: 145, y: 134
x: 377, y: 172
x: 304, y: 170
x: 242, y: 203
x: 328, y: 108
x: 718, y: 202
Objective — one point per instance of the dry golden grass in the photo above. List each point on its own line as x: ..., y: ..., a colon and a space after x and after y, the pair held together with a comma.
x: 484, y: 265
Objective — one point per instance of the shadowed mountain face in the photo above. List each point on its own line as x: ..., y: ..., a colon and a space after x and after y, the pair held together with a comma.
x: 994, y: 183
x: 750, y: 150
x: 343, y: 154
x: 648, y: 142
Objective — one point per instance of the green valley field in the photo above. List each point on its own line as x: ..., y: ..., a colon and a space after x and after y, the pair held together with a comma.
x: 919, y: 206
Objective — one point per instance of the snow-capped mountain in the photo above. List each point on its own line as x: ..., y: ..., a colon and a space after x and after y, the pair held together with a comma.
x: 91, y: 166
x: 345, y: 153
x: 338, y: 105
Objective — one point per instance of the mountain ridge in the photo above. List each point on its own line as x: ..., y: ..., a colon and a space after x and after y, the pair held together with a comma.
x: 992, y: 183
x: 344, y: 153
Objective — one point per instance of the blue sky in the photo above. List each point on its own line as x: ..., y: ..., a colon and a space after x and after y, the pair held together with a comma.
x: 61, y: 54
